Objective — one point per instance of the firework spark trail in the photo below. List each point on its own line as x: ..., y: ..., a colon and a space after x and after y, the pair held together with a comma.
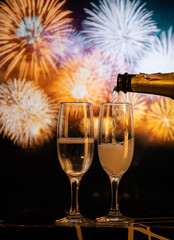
x: 161, y: 56
x: 80, y: 81
x: 122, y: 29
x: 27, y: 116
x: 139, y: 105
x: 160, y: 119
x: 26, y: 29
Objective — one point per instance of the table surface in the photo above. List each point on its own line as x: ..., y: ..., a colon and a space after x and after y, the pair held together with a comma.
x: 42, y: 223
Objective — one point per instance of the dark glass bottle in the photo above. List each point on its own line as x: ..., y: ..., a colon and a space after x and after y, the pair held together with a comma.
x: 158, y: 83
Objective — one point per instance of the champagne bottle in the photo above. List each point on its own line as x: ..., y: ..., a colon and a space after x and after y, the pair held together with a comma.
x: 158, y: 83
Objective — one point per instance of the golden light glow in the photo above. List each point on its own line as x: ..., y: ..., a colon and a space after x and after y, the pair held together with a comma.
x: 27, y: 28
x: 36, y: 130
x: 160, y: 119
x: 27, y: 116
x: 96, y: 120
x: 80, y: 81
x: 79, y: 91
x: 108, y: 122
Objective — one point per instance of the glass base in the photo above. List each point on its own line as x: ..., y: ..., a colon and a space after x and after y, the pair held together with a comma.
x: 76, y: 219
x: 114, y: 218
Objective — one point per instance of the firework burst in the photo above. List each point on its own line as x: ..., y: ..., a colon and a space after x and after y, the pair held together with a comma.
x: 161, y: 56
x: 121, y: 28
x: 80, y: 81
x: 139, y: 105
x: 27, y: 27
x: 27, y: 115
x: 160, y: 119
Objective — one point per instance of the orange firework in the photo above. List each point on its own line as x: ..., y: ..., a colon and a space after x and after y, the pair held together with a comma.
x: 79, y: 81
x: 160, y: 119
x: 27, y: 27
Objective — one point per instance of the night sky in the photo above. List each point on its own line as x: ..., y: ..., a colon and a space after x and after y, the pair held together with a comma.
x: 163, y: 11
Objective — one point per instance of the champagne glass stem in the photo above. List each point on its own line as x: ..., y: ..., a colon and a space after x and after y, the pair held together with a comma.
x: 74, y: 209
x: 114, y: 195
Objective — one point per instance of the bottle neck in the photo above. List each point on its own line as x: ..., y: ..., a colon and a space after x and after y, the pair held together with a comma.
x: 124, y: 82
x: 160, y: 84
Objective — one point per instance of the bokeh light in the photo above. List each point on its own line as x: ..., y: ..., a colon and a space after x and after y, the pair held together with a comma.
x: 70, y: 45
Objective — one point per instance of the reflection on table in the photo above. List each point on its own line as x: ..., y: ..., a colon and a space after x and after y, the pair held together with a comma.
x: 42, y: 224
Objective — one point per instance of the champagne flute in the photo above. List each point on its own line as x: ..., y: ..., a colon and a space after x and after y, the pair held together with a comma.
x: 75, y: 147
x: 115, y: 149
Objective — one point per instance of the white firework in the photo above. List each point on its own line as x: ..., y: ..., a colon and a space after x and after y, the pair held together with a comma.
x: 122, y: 28
x: 27, y: 116
x: 161, y: 56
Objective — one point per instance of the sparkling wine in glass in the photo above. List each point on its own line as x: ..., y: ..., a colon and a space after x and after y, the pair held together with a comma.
x: 115, y: 149
x: 75, y: 147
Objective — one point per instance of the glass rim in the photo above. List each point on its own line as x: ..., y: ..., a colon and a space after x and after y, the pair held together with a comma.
x: 77, y: 103
x: 117, y: 103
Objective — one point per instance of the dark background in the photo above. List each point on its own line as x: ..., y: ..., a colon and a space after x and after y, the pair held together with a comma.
x: 33, y: 179
x: 163, y: 11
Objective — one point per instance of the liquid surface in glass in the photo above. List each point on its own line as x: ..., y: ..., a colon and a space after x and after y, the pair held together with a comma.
x: 116, y: 157
x: 75, y: 155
